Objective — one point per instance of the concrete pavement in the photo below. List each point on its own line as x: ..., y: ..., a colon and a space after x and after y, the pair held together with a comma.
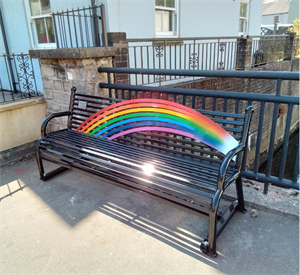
x: 75, y: 224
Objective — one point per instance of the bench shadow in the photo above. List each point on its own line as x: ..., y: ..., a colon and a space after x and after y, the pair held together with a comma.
x: 178, y: 237
x: 74, y: 196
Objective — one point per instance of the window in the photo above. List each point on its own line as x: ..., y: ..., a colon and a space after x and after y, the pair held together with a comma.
x: 42, y: 25
x: 165, y: 17
x: 243, y: 18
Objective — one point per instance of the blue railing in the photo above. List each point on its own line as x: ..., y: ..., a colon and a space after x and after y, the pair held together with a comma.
x: 268, y: 112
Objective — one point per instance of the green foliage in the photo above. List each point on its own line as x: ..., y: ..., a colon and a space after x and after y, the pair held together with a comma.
x: 295, y: 27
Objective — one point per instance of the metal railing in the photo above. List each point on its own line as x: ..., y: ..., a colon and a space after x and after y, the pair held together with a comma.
x: 264, y: 128
x: 80, y: 27
x: 17, y: 77
x: 207, y: 53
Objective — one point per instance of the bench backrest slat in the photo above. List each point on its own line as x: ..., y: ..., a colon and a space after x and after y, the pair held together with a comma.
x: 83, y: 106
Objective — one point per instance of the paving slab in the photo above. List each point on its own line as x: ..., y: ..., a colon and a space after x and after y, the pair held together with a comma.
x: 75, y: 224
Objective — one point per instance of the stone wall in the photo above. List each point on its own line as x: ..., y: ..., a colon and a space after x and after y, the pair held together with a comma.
x: 64, y: 68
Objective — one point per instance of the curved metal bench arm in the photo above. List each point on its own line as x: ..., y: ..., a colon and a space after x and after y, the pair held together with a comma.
x: 48, y: 118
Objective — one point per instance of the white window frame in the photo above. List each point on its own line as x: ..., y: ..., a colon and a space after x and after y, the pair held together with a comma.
x: 174, y: 32
x: 245, y: 32
x: 33, y: 30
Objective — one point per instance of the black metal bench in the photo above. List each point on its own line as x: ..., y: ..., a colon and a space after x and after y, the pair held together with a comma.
x: 153, y: 147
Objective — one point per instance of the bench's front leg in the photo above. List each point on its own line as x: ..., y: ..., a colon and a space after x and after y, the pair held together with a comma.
x: 209, y: 246
x: 45, y: 176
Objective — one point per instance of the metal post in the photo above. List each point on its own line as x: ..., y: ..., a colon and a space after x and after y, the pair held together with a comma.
x: 104, y: 32
x: 7, y: 52
x: 96, y: 24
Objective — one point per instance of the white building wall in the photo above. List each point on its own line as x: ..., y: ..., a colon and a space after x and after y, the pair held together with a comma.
x: 136, y: 18
x: 208, y: 18
x: 255, y: 17
x: 269, y: 19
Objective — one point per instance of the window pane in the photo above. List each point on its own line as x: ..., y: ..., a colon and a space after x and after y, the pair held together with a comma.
x: 243, y: 10
x: 41, y: 30
x: 50, y: 31
x: 35, y: 7
x: 242, y: 25
x: 45, y: 4
x: 166, y: 21
x: 158, y: 21
x: 170, y: 3
x: 159, y: 3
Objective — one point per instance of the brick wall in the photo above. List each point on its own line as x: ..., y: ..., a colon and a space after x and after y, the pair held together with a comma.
x: 259, y: 86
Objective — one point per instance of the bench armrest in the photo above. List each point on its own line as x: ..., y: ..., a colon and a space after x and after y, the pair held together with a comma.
x: 48, y: 118
x: 226, y: 161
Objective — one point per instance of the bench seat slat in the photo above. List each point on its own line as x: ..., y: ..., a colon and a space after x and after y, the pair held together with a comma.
x: 201, y: 174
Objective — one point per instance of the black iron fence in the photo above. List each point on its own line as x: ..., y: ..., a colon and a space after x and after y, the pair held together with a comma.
x: 266, y: 120
x: 207, y: 53
x: 85, y: 27
x: 17, y: 77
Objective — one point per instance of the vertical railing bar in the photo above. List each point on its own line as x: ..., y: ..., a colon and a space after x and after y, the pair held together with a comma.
x: 198, y: 56
x: 86, y: 29
x: 153, y: 56
x: 175, y: 60
x: 271, y: 145
x: 33, y: 75
x: 170, y: 62
x: 55, y: 30
x: 214, y: 104
x: 210, y: 53
x: 296, y: 166
x: 70, y: 34
x: 259, y: 137
x: 285, y: 141
x: 147, y: 63
x: 206, y: 57
x: 80, y: 28
x: 16, y: 70
x: 134, y: 51
x: 142, y: 65
x: 246, y: 143
x: 185, y: 56
x: 6, y: 56
x: 76, y: 39
x: 202, y: 47
x: 203, y: 102
x: 189, y: 59
x: 92, y: 26
x: 193, y: 101
x: 64, y: 31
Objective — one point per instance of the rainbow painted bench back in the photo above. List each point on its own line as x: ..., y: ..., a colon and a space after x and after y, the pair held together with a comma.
x: 148, y: 114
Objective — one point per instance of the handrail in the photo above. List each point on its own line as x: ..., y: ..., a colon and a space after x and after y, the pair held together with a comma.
x: 207, y: 73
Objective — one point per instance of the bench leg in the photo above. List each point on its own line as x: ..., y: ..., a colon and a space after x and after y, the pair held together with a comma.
x: 209, y: 246
x: 240, y: 195
x: 43, y: 175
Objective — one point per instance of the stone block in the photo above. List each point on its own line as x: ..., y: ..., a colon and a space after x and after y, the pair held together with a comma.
x: 58, y: 85
x: 48, y: 94
x: 90, y: 75
x: 53, y: 107
x: 61, y: 98
x: 60, y: 73
x: 48, y: 84
x: 47, y: 71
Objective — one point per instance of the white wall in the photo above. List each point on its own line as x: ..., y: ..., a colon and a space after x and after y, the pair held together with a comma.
x: 136, y: 18
x: 269, y: 19
x: 255, y: 17
x: 208, y: 18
